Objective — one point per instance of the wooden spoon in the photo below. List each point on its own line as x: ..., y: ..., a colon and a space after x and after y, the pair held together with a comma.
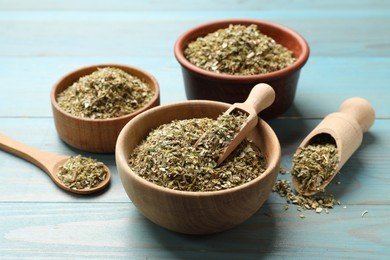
x: 346, y: 127
x: 48, y: 162
x: 260, y: 97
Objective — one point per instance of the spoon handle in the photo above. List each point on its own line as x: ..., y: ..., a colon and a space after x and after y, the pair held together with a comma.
x: 361, y: 110
x: 43, y: 160
x: 260, y: 97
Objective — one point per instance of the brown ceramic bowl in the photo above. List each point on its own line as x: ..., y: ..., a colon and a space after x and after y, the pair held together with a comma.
x: 187, y: 211
x: 203, y: 84
x: 95, y: 135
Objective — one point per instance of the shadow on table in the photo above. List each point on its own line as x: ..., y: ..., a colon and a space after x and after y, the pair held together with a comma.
x: 251, y: 239
x: 352, y: 175
x: 291, y: 130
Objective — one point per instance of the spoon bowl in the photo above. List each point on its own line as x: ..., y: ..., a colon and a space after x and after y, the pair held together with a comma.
x: 49, y: 163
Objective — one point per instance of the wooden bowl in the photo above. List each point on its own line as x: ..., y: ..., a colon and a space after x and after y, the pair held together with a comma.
x: 203, y: 84
x: 95, y: 135
x: 186, y: 211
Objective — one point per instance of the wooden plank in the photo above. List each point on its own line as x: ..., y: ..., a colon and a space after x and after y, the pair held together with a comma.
x: 185, y: 5
x: 117, y: 230
x: 30, y: 95
x: 152, y: 34
x: 324, y: 82
x: 364, y: 179
x: 42, y: 40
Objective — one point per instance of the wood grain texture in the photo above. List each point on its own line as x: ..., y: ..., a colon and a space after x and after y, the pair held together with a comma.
x: 324, y: 83
x: 153, y: 33
x: 42, y: 40
x: 188, y: 5
x: 59, y: 230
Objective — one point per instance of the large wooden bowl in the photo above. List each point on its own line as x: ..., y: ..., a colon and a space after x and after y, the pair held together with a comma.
x: 194, y: 212
x: 203, y: 84
x: 95, y: 135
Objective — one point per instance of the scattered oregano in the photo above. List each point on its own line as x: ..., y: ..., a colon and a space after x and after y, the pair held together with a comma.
x: 319, y: 203
x: 312, y: 165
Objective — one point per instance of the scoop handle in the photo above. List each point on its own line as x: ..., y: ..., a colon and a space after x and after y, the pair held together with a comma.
x: 261, y: 96
x: 361, y: 110
x: 43, y: 160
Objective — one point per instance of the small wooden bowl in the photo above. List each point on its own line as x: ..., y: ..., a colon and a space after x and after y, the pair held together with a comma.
x: 203, y: 84
x: 95, y: 135
x: 194, y: 212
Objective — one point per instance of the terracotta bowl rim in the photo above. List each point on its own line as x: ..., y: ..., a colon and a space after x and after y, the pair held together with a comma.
x: 299, y: 63
x: 121, y: 161
x: 155, y: 86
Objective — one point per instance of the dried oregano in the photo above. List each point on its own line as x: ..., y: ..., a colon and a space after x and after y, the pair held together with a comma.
x: 238, y: 50
x: 315, y: 163
x: 214, y: 141
x: 80, y: 172
x: 312, y: 165
x: 106, y: 93
x: 319, y: 203
x: 168, y: 157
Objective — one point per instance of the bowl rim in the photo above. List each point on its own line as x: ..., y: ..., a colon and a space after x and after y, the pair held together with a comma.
x: 121, y: 160
x: 299, y: 63
x: 155, y: 86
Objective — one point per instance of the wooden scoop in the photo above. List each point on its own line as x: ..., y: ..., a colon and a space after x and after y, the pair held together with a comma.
x: 346, y: 127
x: 48, y: 162
x: 260, y: 97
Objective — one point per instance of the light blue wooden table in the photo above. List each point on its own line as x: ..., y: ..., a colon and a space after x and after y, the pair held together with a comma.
x: 42, y: 40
